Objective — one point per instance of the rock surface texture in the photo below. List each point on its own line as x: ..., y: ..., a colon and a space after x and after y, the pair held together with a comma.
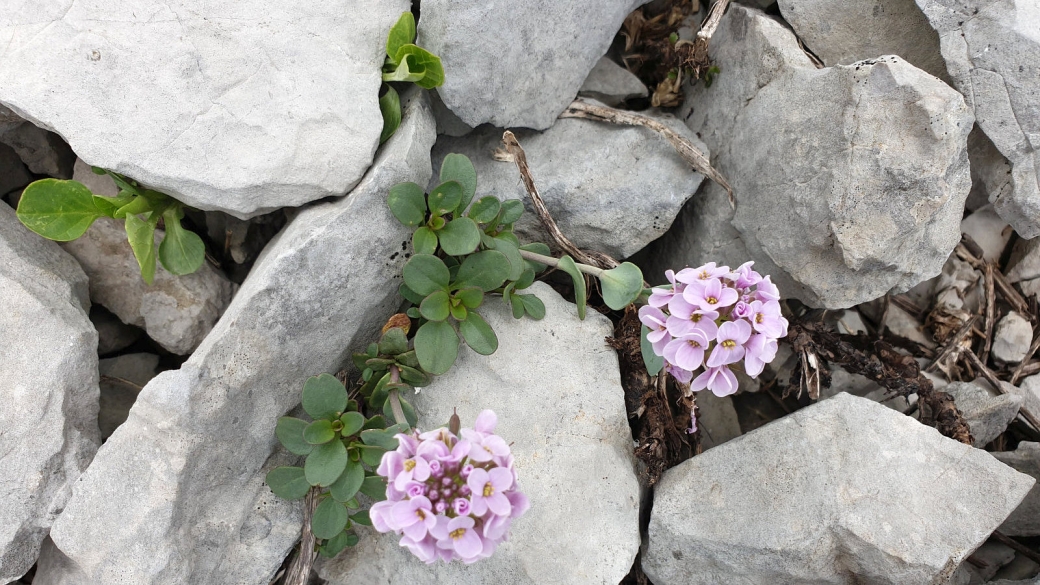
x: 987, y: 413
x: 177, y: 494
x: 849, y: 181
x: 610, y: 188
x: 48, y: 388
x: 842, y: 491
x: 242, y: 107
x: 992, y: 53
x: 517, y: 63
x: 1025, y: 520
x: 611, y: 83
x: 573, y: 455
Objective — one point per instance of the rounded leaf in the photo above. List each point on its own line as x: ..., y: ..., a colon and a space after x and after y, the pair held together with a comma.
x: 460, y: 236
x: 421, y: 60
x: 470, y: 296
x: 141, y: 235
x: 288, y: 482
x: 485, y: 209
x: 435, y: 306
x: 533, y: 306
x: 324, y: 396
x: 371, y: 456
x: 57, y: 210
x: 181, y: 251
x: 401, y: 34
x: 567, y: 265
x: 436, y: 346
x: 445, y: 197
x: 409, y: 295
x: 424, y: 241
x: 374, y: 487
x: 336, y: 544
x: 407, y: 202
x: 394, y: 341
x: 653, y: 362
x: 326, y: 463
x: 390, y: 108
x: 424, y: 274
x: 478, y: 334
x: 457, y: 167
x: 352, y: 423
x: 380, y: 438
x: 512, y: 209
x: 330, y: 518
x: 290, y: 432
x: 537, y: 248
x: 512, y: 253
x: 349, y: 483
x: 318, y: 432
x: 621, y: 285
x: 409, y: 413
x: 361, y: 518
x: 485, y: 270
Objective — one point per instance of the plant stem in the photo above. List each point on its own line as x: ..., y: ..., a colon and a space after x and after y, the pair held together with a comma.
x: 395, y: 399
x: 555, y: 263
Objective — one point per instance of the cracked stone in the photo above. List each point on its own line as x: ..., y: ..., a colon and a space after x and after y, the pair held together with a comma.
x: 1012, y: 337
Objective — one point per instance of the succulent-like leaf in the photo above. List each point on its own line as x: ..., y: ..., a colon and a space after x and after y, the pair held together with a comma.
x: 326, y: 463
x: 512, y: 209
x: 537, y: 248
x: 401, y: 34
x: 567, y: 265
x: 654, y: 363
x: 374, y: 487
x: 517, y: 306
x: 141, y: 235
x: 621, y: 285
x: 424, y: 241
x: 290, y: 433
x: 393, y: 342
x: 533, y: 306
x: 420, y: 61
x: 361, y: 518
x: 380, y: 438
x: 460, y: 236
x: 436, y: 346
x: 424, y: 273
x: 349, y: 482
x: 352, y: 423
x: 58, y: 210
x: 459, y: 311
x: 336, y: 544
x: 329, y: 519
x: 485, y: 209
x: 324, y: 396
x: 512, y: 253
x: 457, y: 167
x: 409, y: 295
x: 390, y: 108
x: 470, y: 296
x: 413, y: 376
x: 526, y: 279
x: 444, y: 198
x: 408, y: 359
x: 435, y: 306
x: 371, y: 456
x: 407, y: 202
x: 319, y: 432
x: 376, y: 422
x: 478, y: 334
x: 288, y: 482
x: 181, y: 251
x: 486, y: 270
x: 409, y: 412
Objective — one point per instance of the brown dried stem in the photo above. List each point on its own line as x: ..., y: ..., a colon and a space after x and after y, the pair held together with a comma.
x: 995, y: 382
x: 1020, y: 369
x: 991, y: 311
x: 954, y: 346
x: 690, y: 153
x: 700, y: 46
x: 1019, y: 547
x: 300, y: 570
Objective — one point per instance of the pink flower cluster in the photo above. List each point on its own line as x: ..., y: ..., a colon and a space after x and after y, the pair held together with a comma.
x: 450, y: 497
x: 713, y: 317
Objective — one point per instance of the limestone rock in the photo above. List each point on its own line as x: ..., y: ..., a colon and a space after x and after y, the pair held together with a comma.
x: 987, y: 413
x: 1025, y: 520
x: 243, y: 107
x: 611, y: 83
x: 517, y: 63
x: 849, y: 181
x: 113, y: 334
x: 1024, y: 263
x: 1012, y: 338
x: 176, y: 311
x: 177, y: 494
x: 13, y: 174
x: 842, y: 491
x: 989, y: 231
x: 565, y: 415
x: 992, y: 54
x: 122, y: 378
x: 48, y: 388
x: 718, y: 421
x: 45, y: 153
x: 610, y: 188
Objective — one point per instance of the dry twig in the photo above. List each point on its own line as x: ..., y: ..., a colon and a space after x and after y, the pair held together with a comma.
x: 954, y: 346
x: 1022, y: 365
x: 991, y: 311
x: 700, y: 46
x: 300, y: 570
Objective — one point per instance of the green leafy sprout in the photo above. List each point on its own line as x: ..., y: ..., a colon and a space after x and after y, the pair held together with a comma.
x: 64, y: 210
x: 405, y: 62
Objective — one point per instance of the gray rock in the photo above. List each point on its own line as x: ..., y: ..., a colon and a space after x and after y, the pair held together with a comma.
x: 1012, y: 338
x: 45, y: 153
x: 610, y: 188
x: 858, y: 195
x: 1024, y: 263
x: 517, y: 63
x: 1025, y: 520
x: 113, y: 334
x: 177, y: 494
x: 903, y: 324
x: 841, y: 32
x: 611, y: 83
x: 987, y: 413
x: 995, y: 555
x: 176, y: 311
x: 13, y: 174
x: 447, y: 122
x: 717, y: 419
x: 992, y: 54
x: 243, y: 107
x: 839, y: 492
x: 989, y: 231
x: 1022, y: 582
x: 48, y: 388
x: 1030, y: 288
x: 990, y: 171
x: 122, y: 379
x: 565, y: 415
x: 1029, y: 389
x: 1021, y: 567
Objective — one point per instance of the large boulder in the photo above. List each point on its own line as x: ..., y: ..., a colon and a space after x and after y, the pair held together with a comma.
x: 48, y: 388
x: 849, y: 181
x: 610, y: 188
x: 992, y: 53
x: 1025, y: 520
x: 177, y: 494
x: 555, y: 386
x: 240, y: 106
x: 517, y: 63
x: 843, y: 491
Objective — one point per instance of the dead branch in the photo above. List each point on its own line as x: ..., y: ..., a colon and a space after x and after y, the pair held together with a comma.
x: 954, y: 346
x: 700, y: 46
x: 991, y: 311
x: 995, y: 382
x: 300, y: 570
x: 1020, y: 369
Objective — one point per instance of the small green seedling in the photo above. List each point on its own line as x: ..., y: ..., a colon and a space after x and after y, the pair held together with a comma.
x: 405, y: 62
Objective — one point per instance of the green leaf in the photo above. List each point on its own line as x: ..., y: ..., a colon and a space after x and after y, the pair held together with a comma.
x: 58, y: 210
x: 413, y: 376
x: 424, y: 241
x: 318, y: 432
x: 478, y: 334
x: 361, y: 518
x: 404, y: 71
x: 330, y: 518
x: 470, y: 296
x: 401, y: 34
x: 461, y: 236
x: 409, y: 412
x: 371, y: 456
x: 390, y: 108
x: 567, y: 265
x: 409, y: 295
x: 518, y: 306
x: 512, y: 254
x: 326, y: 463
x: 537, y: 248
x: 436, y: 346
x: 290, y: 432
x: 374, y: 487
x: 621, y: 285
x: 459, y: 311
x: 485, y: 270
x: 136, y: 206
x: 352, y: 422
x: 348, y: 483
x: 408, y: 359
x: 181, y: 251
x: 393, y: 342
x: 485, y: 209
x: 407, y: 202
x: 445, y: 197
x: 109, y: 205
x: 141, y: 235
x: 376, y: 422
x: 654, y: 363
x: 435, y: 306
x: 457, y: 167
x: 288, y: 483
x: 336, y: 544
x: 526, y: 279
x: 424, y: 273
x: 383, y: 438
x: 417, y: 60
x: 512, y: 209
x: 324, y: 396
x: 533, y: 305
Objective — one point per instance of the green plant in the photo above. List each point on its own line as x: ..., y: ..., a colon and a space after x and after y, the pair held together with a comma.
x: 64, y: 210
x: 405, y: 62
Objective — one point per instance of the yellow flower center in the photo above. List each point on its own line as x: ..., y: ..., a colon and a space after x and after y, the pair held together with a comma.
x: 488, y: 489
x: 409, y: 464
x: 712, y: 300
x: 419, y: 512
x: 694, y: 343
x: 758, y: 318
x: 704, y: 275
x: 729, y: 344
x: 695, y: 317
x: 457, y: 533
